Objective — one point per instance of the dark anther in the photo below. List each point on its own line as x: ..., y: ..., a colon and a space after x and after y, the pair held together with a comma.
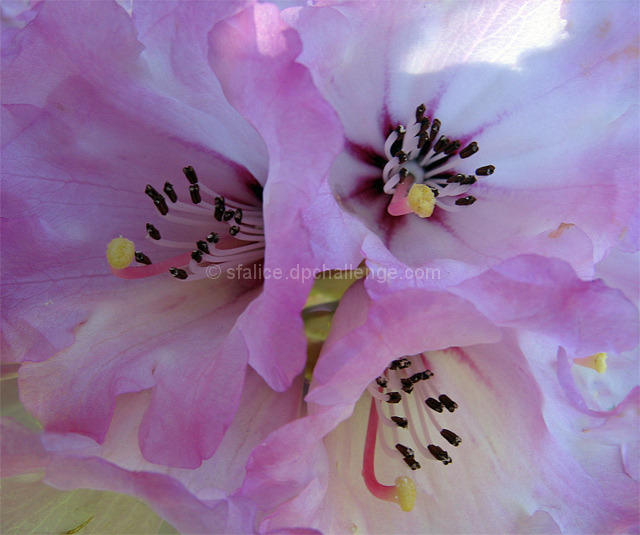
x: 435, y: 128
x: 452, y: 147
x: 456, y: 178
x: 434, y: 404
x: 407, y: 385
x: 421, y: 376
x: 424, y: 126
x: 448, y: 403
x: 400, y: 364
x: 142, y: 258
x: 412, y: 463
x: 213, y: 238
x: 402, y: 156
x: 397, y: 144
x: 197, y: 255
x: 422, y: 140
x: 394, y: 397
x: 406, y: 452
x: 403, y: 174
x: 466, y: 201
x: 170, y: 192
x: 441, y: 144
x: 218, y: 212
x: 469, y: 150
x: 451, y: 437
x: 420, y: 112
x: 434, y: 191
x: 468, y: 180
x: 161, y: 205
x: 227, y: 215
x: 219, y: 201
x: 178, y: 273
x: 153, y: 232
x: 151, y: 191
x: 234, y: 230
x: 402, y: 422
x: 202, y: 246
x: 237, y: 217
x: 439, y: 453
x: 190, y: 174
x: 194, y: 191
x: 486, y: 170
x: 381, y: 382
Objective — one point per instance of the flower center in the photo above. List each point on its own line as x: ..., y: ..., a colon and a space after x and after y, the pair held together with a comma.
x: 231, y: 234
x: 406, y: 403
x: 420, y: 171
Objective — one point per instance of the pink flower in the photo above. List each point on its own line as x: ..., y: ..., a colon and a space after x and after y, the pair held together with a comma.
x: 480, y: 378
x: 98, y: 104
x: 477, y: 131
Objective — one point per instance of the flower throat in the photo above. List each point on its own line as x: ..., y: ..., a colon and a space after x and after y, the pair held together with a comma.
x: 420, y: 171
x: 231, y: 234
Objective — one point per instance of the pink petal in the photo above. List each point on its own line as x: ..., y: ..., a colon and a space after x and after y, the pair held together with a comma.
x: 253, y: 55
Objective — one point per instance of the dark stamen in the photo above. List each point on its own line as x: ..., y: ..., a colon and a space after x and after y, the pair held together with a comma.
x: 401, y: 422
x: 381, y: 382
x: 466, y: 201
x: 237, y: 217
x: 451, y: 437
x: 412, y: 463
x: 486, y: 170
x: 441, y: 144
x: 420, y: 112
x: 469, y: 150
x: 227, y: 215
x: 439, y: 453
x: 397, y: 144
x: 197, y: 255
x: 213, y: 238
x: 178, y: 273
x: 142, y: 258
x: 394, y: 397
x: 170, y: 192
x: 448, y: 403
x: 468, y: 179
x: 234, y: 230
x: 434, y: 404
x: 194, y: 191
x: 456, y: 178
x: 190, y: 174
x: 161, y: 205
x: 153, y: 232
x: 406, y: 452
x: 218, y: 212
x: 400, y: 364
x: 202, y: 246
x: 151, y: 192
x: 407, y: 385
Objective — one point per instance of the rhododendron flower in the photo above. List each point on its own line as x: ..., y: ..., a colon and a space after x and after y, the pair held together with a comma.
x: 476, y: 130
x: 461, y: 408
x: 100, y: 107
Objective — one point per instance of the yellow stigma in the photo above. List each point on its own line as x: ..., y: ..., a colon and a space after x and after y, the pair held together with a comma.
x: 405, y: 493
x: 597, y: 362
x: 120, y: 252
x: 421, y: 200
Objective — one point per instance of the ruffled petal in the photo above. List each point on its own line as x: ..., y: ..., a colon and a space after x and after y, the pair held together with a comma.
x: 253, y: 55
x: 175, y: 342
